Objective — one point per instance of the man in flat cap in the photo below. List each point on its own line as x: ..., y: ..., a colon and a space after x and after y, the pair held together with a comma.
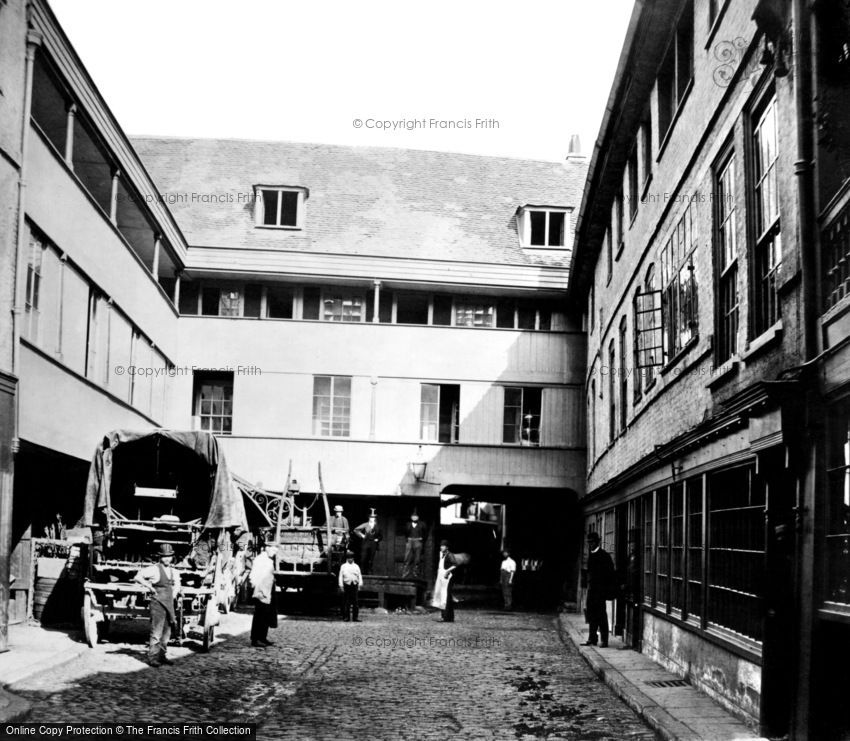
x: 350, y: 580
x: 339, y: 529
x: 162, y: 581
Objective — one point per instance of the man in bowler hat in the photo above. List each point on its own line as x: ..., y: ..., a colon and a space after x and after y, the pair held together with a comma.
x: 370, y: 535
x: 601, y: 585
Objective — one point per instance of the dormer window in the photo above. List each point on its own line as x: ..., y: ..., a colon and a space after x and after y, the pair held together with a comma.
x: 279, y: 207
x: 543, y: 227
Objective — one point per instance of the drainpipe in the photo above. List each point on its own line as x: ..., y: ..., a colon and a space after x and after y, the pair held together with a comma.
x: 804, y: 575
x: 804, y: 171
x: 7, y: 485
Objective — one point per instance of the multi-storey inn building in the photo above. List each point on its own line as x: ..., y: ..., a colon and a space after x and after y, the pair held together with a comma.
x: 87, y: 249
x: 711, y: 256
x: 366, y: 309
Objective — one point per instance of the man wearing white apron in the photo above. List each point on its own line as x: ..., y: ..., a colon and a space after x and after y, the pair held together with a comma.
x: 442, y: 598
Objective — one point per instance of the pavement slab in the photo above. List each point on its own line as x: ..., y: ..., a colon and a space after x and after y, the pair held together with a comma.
x: 675, y: 713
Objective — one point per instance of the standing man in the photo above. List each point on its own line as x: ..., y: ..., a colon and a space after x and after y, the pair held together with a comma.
x: 600, y: 586
x: 339, y: 528
x: 265, y: 609
x: 162, y: 581
x: 414, y: 531
x: 442, y: 598
x: 370, y: 536
x: 506, y: 579
x: 350, y: 580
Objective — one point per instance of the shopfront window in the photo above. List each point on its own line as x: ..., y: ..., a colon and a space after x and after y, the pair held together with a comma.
x: 838, y: 480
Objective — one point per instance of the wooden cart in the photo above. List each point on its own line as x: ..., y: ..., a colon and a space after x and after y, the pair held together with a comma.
x: 194, y: 507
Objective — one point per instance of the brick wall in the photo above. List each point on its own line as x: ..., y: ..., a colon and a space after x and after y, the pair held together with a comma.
x: 712, y: 116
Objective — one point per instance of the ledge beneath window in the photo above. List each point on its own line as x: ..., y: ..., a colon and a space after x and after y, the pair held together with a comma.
x: 763, y: 342
x: 836, y: 612
x: 724, y: 373
x: 691, y: 343
x: 280, y: 228
x: 835, y: 311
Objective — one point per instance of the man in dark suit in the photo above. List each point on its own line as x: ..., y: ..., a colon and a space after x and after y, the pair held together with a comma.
x: 601, y: 584
x: 370, y: 536
x: 415, y: 533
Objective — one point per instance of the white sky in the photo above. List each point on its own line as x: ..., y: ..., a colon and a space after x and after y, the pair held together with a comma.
x: 303, y: 71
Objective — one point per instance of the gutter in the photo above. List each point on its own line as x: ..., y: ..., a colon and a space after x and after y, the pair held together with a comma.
x: 594, y: 167
x: 34, y: 40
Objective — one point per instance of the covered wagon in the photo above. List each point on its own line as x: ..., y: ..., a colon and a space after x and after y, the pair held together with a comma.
x: 146, y: 489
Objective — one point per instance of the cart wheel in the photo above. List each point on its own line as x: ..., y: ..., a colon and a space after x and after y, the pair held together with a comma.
x: 209, y: 637
x: 89, y: 623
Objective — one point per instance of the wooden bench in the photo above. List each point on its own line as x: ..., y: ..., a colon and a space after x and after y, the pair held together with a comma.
x: 412, y: 590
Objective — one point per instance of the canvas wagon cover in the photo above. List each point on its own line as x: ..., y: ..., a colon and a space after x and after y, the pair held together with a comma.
x: 224, y: 508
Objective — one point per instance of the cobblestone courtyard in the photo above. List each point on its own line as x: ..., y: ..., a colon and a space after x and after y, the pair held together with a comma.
x: 490, y: 675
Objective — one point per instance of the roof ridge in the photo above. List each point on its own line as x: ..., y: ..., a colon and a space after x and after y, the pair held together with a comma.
x: 175, y: 138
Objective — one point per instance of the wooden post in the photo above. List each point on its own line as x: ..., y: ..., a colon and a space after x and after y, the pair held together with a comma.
x: 113, y: 198
x: 157, y: 247
x: 377, y: 302
x: 69, y: 135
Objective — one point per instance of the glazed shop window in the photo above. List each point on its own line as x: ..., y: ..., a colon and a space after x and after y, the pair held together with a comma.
x: 838, y: 481
x: 736, y: 551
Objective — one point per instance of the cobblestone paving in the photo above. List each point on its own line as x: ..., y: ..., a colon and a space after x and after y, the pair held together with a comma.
x: 489, y: 675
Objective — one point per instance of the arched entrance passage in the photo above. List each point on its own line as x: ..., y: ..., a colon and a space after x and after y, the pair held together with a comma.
x: 541, y: 528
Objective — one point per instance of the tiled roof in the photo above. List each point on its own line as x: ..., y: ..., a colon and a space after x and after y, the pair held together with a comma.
x: 362, y: 200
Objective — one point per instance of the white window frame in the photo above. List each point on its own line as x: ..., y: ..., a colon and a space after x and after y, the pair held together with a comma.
x: 329, y: 294
x: 259, y: 206
x: 337, y: 423
x: 525, y: 226
x: 522, y: 441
